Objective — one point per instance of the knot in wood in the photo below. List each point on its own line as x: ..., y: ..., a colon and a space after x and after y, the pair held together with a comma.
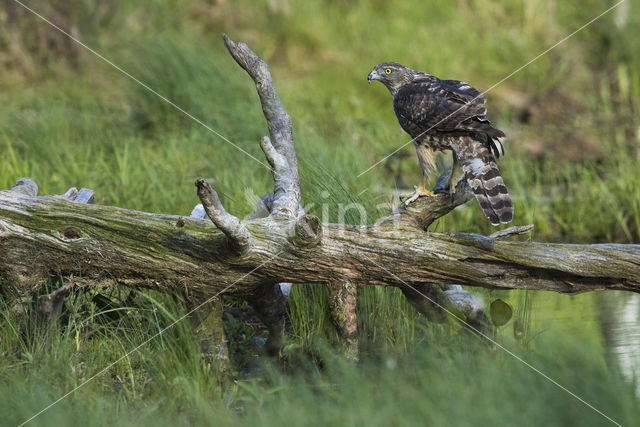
x: 68, y: 234
x: 307, y: 231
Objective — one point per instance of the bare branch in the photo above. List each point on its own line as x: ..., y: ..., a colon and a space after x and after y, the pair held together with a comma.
x: 286, y: 189
x: 277, y: 161
x: 83, y: 196
x: 511, y: 231
x: 237, y: 234
x: 280, y: 147
x: 262, y: 210
x: 421, y: 213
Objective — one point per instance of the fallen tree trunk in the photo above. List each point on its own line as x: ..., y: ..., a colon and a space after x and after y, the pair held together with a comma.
x: 45, y: 236
x: 49, y: 236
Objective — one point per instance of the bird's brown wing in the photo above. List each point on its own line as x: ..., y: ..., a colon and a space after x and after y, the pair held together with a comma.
x: 468, y: 106
x: 448, y: 107
x: 418, y: 108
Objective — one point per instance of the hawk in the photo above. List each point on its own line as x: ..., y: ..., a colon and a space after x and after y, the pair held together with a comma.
x: 449, y: 115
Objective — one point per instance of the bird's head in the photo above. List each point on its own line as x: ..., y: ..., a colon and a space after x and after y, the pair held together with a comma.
x: 392, y: 75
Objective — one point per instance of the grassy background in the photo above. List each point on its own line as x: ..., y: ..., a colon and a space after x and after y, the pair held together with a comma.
x: 69, y: 119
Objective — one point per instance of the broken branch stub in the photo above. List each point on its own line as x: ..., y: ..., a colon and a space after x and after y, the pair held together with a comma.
x: 286, y: 188
x: 237, y: 234
x: 25, y: 186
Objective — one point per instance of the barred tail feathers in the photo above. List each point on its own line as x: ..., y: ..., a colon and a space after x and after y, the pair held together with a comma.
x: 484, y: 178
x: 492, y: 195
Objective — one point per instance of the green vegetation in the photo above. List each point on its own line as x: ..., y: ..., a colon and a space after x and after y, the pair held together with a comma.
x: 69, y: 119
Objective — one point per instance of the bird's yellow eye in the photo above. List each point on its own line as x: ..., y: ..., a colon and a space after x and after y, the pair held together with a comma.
x: 388, y: 71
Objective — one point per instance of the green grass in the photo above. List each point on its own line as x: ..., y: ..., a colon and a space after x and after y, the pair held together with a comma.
x: 87, y: 125
x: 444, y: 377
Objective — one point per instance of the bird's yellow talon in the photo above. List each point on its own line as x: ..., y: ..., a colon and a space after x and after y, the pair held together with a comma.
x: 454, y: 174
x: 419, y: 191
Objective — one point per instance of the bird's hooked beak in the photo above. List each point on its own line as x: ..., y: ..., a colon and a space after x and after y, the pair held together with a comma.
x: 373, y: 75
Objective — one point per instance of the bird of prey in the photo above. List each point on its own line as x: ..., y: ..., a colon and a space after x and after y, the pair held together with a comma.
x: 449, y: 115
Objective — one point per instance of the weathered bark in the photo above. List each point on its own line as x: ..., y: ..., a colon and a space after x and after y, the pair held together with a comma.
x: 205, y: 315
x: 421, y: 214
x: 49, y: 236
x: 281, y: 155
x: 237, y: 234
x: 342, y: 304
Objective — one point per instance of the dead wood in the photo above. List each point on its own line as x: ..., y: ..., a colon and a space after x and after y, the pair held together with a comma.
x: 212, y: 252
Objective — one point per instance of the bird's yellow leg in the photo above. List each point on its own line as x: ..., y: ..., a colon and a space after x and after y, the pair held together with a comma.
x: 454, y: 174
x: 422, y: 188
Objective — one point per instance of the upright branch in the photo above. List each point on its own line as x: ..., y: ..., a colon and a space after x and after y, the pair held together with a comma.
x: 279, y: 150
x: 269, y: 301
